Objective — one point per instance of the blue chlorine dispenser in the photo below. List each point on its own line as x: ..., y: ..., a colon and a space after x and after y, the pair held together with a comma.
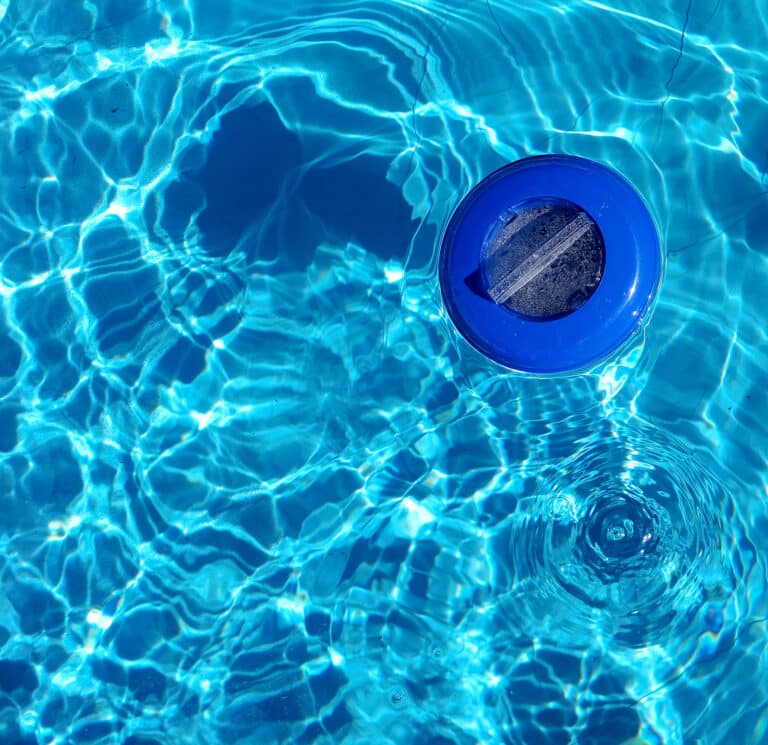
x: 550, y: 264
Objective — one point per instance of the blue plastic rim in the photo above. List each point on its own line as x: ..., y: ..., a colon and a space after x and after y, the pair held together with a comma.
x: 631, y: 274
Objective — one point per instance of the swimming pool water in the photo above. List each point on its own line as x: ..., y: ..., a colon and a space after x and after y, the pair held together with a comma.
x: 254, y: 488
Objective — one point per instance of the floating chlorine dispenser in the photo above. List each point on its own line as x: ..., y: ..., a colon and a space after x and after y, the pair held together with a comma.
x: 550, y: 264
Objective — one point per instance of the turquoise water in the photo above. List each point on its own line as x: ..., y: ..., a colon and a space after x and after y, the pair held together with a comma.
x: 254, y: 488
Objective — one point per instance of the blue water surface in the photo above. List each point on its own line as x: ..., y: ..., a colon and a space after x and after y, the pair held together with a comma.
x: 255, y: 488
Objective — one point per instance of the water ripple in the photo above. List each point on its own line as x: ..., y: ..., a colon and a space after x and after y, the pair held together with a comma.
x: 628, y: 542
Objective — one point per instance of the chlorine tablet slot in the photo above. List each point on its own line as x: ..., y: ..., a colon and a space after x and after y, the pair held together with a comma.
x: 517, y: 277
